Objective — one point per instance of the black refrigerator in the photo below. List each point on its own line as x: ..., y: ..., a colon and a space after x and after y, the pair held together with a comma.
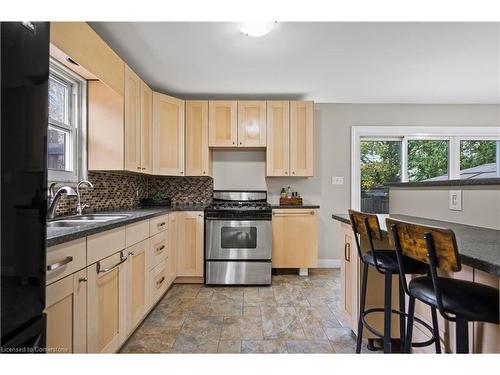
x: 24, y: 108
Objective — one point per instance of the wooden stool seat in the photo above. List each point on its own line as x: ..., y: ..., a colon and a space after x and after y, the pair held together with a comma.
x: 387, y: 260
x: 472, y: 301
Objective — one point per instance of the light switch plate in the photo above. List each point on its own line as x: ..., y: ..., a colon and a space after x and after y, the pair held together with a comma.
x: 456, y: 200
x: 337, y: 180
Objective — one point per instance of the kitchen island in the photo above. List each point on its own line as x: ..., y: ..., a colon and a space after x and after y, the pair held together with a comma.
x: 479, y: 250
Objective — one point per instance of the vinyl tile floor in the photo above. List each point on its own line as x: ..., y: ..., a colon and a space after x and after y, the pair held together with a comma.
x: 297, y: 314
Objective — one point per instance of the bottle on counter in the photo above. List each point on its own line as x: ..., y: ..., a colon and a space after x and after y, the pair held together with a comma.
x: 289, y: 192
x: 283, y: 193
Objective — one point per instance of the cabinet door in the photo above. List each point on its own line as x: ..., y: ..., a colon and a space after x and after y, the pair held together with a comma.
x: 66, y: 309
x: 173, y: 244
x: 222, y: 125
x: 106, y: 304
x: 105, y: 128
x: 252, y: 123
x: 168, y: 135
x: 137, y: 269
x: 301, y: 138
x: 295, y: 238
x: 278, y: 138
x: 146, y: 129
x: 132, y: 121
x: 190, y: 249
x: 198, y: 161
x: 346, y: 277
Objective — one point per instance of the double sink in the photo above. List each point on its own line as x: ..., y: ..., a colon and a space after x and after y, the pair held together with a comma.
x: 81, y: 220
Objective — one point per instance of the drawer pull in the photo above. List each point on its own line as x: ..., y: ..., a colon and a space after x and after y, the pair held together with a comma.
x: 160, y: 225
x: 104, y: 270
x: 55, y: 266
x: 159, y: 282
x: 160, y: 249
x: 82, y: 280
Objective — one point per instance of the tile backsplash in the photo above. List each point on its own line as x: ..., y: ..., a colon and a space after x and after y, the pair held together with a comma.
x: 117, y: 190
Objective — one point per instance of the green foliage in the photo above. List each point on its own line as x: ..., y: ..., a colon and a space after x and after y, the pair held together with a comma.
x: 474, y: 153
x: 380, y: 163
x: 427, y: 159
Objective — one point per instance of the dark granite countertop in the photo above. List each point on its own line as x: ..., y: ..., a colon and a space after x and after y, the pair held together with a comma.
x: 478, y: 247
x: 312, y: 206
x: 56, y: 236
x: 469, y: 182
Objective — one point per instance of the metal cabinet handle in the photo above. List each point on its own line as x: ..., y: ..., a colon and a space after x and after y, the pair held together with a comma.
x: 122, y: 259
x: 241, y: 143
x: 182, y: 172
x: 161, y: 224
x: 55, y: 266
x: 82, y: 279
x: 293, y: 172
x: 159, y: 282
x: 286, y: 172
x: 139, y: 168
x: 131, y: 253
x: 143, y: 169
x: 204, y: 172
x: 347, y: 252
x: 159, y: 249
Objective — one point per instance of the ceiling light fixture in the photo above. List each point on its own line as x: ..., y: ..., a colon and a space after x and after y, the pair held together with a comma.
x: 256, y: 29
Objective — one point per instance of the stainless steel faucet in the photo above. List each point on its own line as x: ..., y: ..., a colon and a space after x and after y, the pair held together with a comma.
x: 80, y: 207
x: 70, y: 192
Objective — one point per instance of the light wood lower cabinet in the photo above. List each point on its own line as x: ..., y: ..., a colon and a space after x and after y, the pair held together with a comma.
x: 348, y: 304
x: 159, y: 281
x: 295, y: 238
x: 137, y: 269
x: 190, y: 246
x: 173, y: 244
x: 66, y: 309
x: 106, y: 304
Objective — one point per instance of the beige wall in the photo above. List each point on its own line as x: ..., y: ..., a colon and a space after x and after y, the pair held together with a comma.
x: 333, y: 155
x: 480, y: 204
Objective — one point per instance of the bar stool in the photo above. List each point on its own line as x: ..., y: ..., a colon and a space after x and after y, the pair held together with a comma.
x: 465, y: 300
x: 385, y: 261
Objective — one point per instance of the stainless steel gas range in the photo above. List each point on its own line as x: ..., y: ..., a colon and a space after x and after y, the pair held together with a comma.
x: 238, y: 239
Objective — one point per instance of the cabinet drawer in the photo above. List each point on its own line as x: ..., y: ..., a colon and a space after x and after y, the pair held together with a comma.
x: 159, y: 248
x: 64, y: 259
x: 159, y: 281
x: 103, y: 244
x: 158, y: 224
x: 136, y: 232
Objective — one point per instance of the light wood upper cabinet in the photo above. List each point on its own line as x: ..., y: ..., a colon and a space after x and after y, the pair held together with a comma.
x: 295, y: 238
x: 198, y: 161
x: 132, y: 121
x: 190, y: 254
x: 66, y: 309
x: 146, y: 129
x: 301, y: 138
x: 78, y: 41
x: 278, y: 138
x: 223, y: 123
x: 106, y: 304
x: 137, y: 269
x: 105, y: 128
x: 251, y: 123
x: 168, y: 135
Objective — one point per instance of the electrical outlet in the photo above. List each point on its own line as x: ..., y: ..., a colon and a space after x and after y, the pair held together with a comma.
x: 337, y: 180
x: 456, y: 200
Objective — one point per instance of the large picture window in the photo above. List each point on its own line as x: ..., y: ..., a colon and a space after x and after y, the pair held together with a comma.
x: 384, y: 155
x: 66, y: 129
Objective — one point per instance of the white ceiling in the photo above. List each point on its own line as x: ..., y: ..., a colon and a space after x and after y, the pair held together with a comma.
x: 326, y: 62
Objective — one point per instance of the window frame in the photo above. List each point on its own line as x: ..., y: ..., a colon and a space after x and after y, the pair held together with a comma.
x: 453, y: 134
x: 76, y: 154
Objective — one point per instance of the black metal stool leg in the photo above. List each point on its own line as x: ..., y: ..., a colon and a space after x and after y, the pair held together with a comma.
x: 409, y: 332
x: 402, y: 318
x: 387, y: 311
x: 362, y: 301
x: 462, y: 335
x: 435, y: 328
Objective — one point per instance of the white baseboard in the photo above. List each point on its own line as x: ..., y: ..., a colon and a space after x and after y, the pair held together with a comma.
x: 328, y: 263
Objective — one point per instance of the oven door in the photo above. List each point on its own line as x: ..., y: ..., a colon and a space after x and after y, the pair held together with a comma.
x: 238, y: 239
